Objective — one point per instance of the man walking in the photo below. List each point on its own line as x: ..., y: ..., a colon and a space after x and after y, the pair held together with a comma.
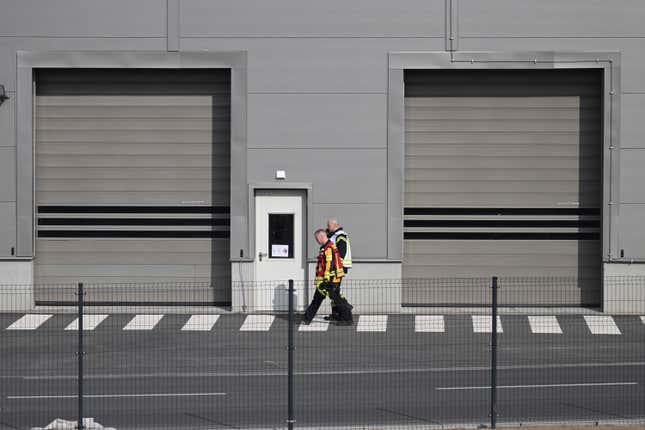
x: 329, y: 272
x: 340, y: 238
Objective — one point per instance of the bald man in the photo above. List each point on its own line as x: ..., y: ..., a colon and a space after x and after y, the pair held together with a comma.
x: 340, y: 238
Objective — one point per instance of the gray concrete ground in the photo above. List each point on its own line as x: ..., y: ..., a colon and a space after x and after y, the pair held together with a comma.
x: 227, y: 378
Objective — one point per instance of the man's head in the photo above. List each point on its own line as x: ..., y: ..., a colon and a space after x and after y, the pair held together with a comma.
x: 332, y: 225
x: 321, y: 236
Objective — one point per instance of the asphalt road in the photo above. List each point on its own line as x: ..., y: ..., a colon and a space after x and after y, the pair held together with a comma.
x: 227, y: 378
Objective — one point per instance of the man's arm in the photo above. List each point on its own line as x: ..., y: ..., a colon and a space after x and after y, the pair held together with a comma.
x: 328, y: 258
x: 341, y: 244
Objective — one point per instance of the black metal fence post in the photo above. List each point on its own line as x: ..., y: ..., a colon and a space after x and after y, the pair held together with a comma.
x: 493, y: 363
x: 290, y: 420
x: 80, y: 353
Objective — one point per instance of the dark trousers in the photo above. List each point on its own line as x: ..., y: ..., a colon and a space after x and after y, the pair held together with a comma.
x: 326, y: 289
x: 341, y: 310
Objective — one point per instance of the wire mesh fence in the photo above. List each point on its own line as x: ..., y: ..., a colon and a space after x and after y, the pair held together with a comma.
x: 410, y: 353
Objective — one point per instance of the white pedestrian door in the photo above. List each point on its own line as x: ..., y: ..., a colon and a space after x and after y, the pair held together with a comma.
x: 279, y: 248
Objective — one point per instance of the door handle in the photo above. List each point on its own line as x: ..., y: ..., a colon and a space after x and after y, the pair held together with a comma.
x: 262, y: 254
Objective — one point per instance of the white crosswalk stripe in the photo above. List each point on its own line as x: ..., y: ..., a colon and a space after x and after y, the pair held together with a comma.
x: 29, y: 322
x: 257, y: 323
x: 429, y: 324
x: 200, y: 323
x: 483, y: 324
x: 601, y: 324
x: 90, y: 322
x: 315, y: 325
x: 143, y: 322
x: 372, y: 323
x: 544, y: 324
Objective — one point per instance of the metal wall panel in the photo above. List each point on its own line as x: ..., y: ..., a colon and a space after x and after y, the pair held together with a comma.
x: 631, y: 236
x: 308, y: 65
x: 364, y: 177
x: 331, y: 121
x: 84, y: 18
x: 632, y: 129
x: 7, y: 228
x: 364, y: 223
x: 172, y: 26
x: 7, y: 175
x: 336, y: 18
x: 595, y: 18
x: 10, y: 45
x: 7, y: 122
x: 632, y: 176
x: 632, y: 62
x: 503, y: 177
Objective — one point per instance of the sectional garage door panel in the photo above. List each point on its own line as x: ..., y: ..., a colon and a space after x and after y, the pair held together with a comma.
x: 135, y: 271
x: 503, y: 177
x: 132, y: 185
x: 539, y: 272
x: 481, y: 164
x: 168, y: 159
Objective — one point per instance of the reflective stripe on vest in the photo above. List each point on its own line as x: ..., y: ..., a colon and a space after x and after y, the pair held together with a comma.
x: 347, y: 261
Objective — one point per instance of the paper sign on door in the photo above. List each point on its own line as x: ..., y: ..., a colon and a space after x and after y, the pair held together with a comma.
x: 280, y: 251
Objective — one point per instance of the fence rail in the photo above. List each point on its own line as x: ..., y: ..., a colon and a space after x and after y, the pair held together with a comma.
x: 253, y: 363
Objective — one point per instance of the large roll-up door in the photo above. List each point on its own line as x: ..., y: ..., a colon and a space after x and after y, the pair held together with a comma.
x: 132, y: 185
x: 503, y: 177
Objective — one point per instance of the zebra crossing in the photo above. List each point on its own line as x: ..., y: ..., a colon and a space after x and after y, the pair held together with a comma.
x: 143, y: 322
x: 29, y: 322
x: 483, y: 324
x: 600, y: 324
x: 480, y: 324
x: 429, y: 324
x: 90, y: 322
x: 545, y: 325
x: 257, y: 323
x: 200, y: 323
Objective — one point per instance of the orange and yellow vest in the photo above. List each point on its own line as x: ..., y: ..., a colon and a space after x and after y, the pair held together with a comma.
x: 329, y: 266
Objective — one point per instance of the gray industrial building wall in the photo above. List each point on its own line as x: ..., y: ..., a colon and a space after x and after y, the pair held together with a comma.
x: 318, y: 78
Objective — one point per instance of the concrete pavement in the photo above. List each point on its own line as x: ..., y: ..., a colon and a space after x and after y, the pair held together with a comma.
x: 166, y: 377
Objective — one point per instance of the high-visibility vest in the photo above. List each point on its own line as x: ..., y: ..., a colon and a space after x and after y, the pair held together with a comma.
x: 341, y: 234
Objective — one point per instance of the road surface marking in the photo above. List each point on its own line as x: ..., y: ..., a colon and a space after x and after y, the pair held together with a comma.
x: 90, y: 322
x: 257, y: 323
x: 315, y: 325
x: 143, y: 322
x: 483, y: 324
x: 108, y: 396
x: 274, y: 373
x: 643, y: 319
x: 429, y: 324
x: 29, y: 322
x: 601, y: 324
x: 372, y: 323
x: 545, y: 325
x: 200, y: 323
x: 590, y: 384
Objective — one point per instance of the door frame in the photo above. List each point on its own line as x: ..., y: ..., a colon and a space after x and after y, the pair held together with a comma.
x: 609, y: 62
x: 307, y: 220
